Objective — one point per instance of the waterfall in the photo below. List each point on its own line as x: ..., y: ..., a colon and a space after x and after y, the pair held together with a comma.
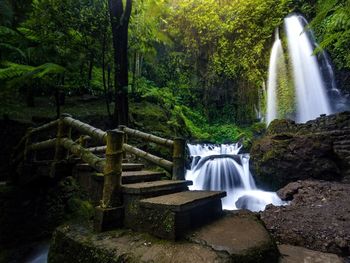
x: 277, y: 68
x: 222, y: 168
x: 310, y: 91
x: 301, y: 96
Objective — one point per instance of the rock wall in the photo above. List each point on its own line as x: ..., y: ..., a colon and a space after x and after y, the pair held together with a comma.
x: 318, y: 149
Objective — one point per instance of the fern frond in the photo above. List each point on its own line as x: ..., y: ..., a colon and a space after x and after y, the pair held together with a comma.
x: 10, y: 47
x: 29, y: 34
x: 6, y: 31
x: 13, y: 70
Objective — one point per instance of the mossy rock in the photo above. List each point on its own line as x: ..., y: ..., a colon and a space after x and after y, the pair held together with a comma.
x: 280, y: 159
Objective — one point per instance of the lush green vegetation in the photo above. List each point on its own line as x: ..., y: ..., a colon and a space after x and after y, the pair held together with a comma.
x: 196, y: 67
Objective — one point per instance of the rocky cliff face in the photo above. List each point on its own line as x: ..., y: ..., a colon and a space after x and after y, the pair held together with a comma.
x: 318, y: 149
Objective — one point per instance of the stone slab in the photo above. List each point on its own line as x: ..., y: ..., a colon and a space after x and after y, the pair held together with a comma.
x: 174, y: 221
x: 294, y: 254
x: 141, y: 176
x: 148, y: 187
x: 132, y: 166
x: 71, y: 244
x: 241, y: 235
x: 182, y: 201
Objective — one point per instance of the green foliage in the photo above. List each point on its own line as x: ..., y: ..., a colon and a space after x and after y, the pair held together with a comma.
x: 227, y: 44
x: 332, y: 26
x: 19, y: 74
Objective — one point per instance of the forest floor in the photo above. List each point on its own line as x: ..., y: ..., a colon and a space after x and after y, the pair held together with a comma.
x: 16, y: 108
x: 318, y: 216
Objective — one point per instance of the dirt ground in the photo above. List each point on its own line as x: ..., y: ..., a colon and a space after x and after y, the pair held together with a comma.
x: 318, y: 216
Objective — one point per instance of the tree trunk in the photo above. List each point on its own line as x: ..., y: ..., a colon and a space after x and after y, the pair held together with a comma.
x: 133, y: 75
x: 120, y: 21
x: 105, y: 88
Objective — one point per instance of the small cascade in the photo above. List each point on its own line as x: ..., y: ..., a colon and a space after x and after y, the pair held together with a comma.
x: 222, y: 168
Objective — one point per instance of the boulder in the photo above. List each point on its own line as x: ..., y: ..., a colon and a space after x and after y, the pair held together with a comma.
x: 285, y: 157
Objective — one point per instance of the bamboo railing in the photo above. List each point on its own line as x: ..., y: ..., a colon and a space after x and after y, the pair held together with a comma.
x: 114, y: 145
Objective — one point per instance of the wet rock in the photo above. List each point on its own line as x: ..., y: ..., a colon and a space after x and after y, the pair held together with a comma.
x: 248, y: 202
x: 318, y: 216
x: 287, y: 192
x: 237, y: 237
x: 241, y: 235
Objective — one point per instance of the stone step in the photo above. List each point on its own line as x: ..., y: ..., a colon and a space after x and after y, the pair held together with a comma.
x: 341, y: 147
x: 156, y: 188
x: 342, y: 151
x: 132, y: 166
x: 171, y: 216
x: 133, y: 193
x: 132, y: 177
x: 341, y: 142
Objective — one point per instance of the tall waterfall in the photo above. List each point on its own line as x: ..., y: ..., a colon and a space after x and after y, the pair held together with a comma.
x: 220, y: 167
x: 308, y: 99
x: 276, y: 68
x: 310, y: 91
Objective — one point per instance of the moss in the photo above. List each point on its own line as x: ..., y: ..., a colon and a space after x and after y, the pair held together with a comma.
x: 168, y: 222
x: 79, y: 209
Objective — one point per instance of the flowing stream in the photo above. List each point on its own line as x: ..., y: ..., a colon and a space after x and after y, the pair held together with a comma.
x: 40, y: 254
x: 222, y: 168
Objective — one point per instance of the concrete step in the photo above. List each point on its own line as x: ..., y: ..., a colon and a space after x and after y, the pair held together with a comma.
x: 133, y: 193
x: 132, y: 177
x: 341, y: 142
x: 132, y: 166
x: 342, y: 151
x: 341, y: 147
x: 171, y: 216
x: 156, y: 188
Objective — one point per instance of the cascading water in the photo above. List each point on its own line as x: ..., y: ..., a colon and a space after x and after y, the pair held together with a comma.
x: 220, y: 167
x: 309, y: 91
x: 276, y: 68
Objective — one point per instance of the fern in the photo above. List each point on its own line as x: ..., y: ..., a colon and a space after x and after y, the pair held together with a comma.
x: 17, y: 74
x: 10, y: 47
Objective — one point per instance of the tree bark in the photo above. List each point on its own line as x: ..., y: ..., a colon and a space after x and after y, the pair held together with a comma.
x: 120, y: 20
x: 105, y: 88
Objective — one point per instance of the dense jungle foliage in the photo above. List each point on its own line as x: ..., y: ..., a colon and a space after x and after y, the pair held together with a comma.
x: 202, y: 63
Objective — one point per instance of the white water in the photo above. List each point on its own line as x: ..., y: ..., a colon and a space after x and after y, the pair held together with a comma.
x: 39, y: 255
x: 276, y: 58
x: 221, y: 168
x: 309, y: 86
x: 310, y: 91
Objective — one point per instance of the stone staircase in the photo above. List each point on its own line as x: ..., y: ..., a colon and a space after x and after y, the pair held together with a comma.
x: 161, y: 207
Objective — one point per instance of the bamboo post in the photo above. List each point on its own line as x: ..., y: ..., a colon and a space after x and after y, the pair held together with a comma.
x: 113, y: 169
x: 179, y: 159
x: 28, y: 154
x: 63, y: 131
x: 61, y: 153
x: 125, y: 139
x: 110, y: 213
